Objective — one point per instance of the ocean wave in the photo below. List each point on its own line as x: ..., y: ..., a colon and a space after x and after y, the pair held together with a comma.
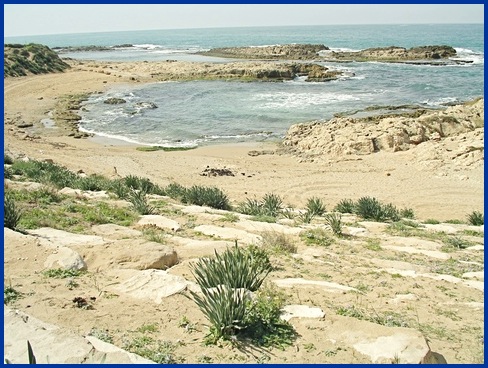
x: 469, y: 55
x: 440, y: 101
x: 299, y: 100
x: 237, y: 136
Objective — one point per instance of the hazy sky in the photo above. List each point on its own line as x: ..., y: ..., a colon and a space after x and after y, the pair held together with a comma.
x: 41, y: 19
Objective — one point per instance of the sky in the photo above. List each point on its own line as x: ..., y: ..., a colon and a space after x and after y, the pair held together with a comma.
x: 43, y: 19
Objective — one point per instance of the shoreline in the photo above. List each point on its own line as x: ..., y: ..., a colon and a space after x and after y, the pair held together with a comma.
x: 259, y: 167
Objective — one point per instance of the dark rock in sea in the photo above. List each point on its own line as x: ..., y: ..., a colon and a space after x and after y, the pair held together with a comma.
x: 147, y: 105
x: 114, y: 101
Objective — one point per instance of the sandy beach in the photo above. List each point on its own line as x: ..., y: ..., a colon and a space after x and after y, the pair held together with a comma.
x: 443, y: 192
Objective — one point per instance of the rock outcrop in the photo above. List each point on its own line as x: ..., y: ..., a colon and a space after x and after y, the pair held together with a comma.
x: 290, y: 52
x: 359, y: 136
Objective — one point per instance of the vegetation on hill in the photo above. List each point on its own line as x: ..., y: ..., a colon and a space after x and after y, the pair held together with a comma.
x: 20, y: 60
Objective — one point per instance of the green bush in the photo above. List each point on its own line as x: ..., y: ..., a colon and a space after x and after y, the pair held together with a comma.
x: 119, y: 188
x: 206, y: 196
x: 11, y: 214
x: 370, y: 208
x: 306, y: 217
x: 175, y: 191
x: 93, y: 183
x: 345, y: 206
x: 250, y: 207
x: 315, y: 206
x: 407, y: 213
x: 476, y: 218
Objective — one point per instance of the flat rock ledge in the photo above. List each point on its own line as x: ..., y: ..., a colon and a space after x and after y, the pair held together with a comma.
x: 55, y: 345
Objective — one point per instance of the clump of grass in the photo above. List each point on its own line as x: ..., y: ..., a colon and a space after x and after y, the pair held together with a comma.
x: 161, y: 352
x: 119, y: 188
x: 345, y: 206
x: 11, y: 213
x: 316, y: 237
x: 94, y: 183
x: 206, y: 196
x: 61, y: 273
x: 102, y: 335
x: 315, y: 206
x: 432, y: 222
x: 306, y: 217
x: 373, y: 244
x: 369, y: 208
x: 154, y: 234
x: 278, y: 242
x: 389, y: 319
x: 230, y: 217
x: 476, y: 218
x: 334, y: 220
x: 10, y: 295
x: 138, y: 183
x: 139, y: 203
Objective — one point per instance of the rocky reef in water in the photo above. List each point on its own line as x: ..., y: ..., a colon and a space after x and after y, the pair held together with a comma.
x: 290, y: 52
x: 416, y: 55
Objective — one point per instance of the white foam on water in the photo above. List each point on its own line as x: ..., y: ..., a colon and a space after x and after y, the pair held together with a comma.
x: 469, y: 55
x: 299, y: 100
x: 439, y: 101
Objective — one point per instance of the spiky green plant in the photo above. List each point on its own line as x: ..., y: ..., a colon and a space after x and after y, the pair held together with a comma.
x: 120, y: 189
x: 206, y: 196
x: 476, y: 218
x: 306, y: 217
x: 316, y: 206
x: 251, y: 207
x: 334, y: 220
x: 138, y: 183
x: 369, y: 208
x: 235, y: 267
x: 272, y: 205
x: 174, y: 190
x: 94, y: 182
x: 345, y: 206
x: 225, y: 308
x: 139, y: 203
x: 11, y: 214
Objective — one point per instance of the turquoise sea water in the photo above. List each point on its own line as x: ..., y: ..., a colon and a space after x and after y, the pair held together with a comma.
x: 204, y: 112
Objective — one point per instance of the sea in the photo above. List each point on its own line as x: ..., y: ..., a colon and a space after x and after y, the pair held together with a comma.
x: 195, y: 113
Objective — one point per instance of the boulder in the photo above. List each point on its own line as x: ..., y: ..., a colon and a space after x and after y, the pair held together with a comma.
x: 55, y: 345
x: 114, y: 101
x: 65, y: 258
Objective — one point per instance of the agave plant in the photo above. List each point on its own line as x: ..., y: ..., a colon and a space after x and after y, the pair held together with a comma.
x: 235, y: 268
x: 476, y: 218
x: 333, y: 219
x: 272, y: 205
x: 315, y: 206
x: 11, y: 214
x: 206, y: 196
x: 345, y: 206
x: 224, y: 307
x: 139, y: 202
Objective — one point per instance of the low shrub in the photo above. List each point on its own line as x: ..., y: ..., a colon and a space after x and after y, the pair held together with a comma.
x: 345, y: 206
x: 476, y: 218
x: 272, y: 205
x: 369, y: 208
x: 206, y: 196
